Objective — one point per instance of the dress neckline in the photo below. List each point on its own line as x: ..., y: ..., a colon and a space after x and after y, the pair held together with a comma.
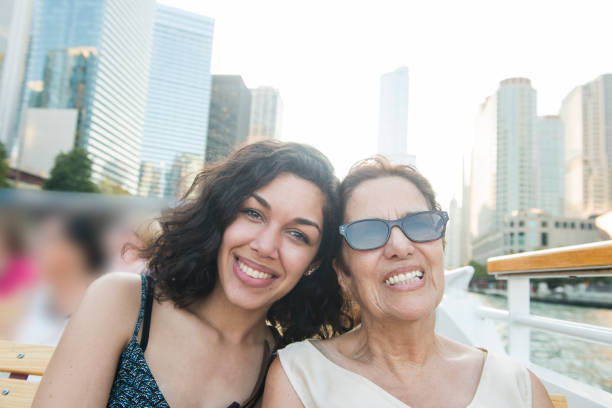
x: 359, y: 377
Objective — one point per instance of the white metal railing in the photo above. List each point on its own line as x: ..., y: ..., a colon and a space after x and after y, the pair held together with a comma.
x: 589, y: 260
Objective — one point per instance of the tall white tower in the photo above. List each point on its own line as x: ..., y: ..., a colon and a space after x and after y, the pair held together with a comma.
x: 393, y: 116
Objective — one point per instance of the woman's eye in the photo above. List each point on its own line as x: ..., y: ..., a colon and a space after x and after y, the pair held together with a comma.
x: 300, y: 236
x: 252, y: 214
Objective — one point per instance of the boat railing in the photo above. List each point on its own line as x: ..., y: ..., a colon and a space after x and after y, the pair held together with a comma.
x: 587, y: 260
x: 594, y: 259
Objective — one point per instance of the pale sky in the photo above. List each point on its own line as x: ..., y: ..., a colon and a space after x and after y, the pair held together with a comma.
x: 326, y: 59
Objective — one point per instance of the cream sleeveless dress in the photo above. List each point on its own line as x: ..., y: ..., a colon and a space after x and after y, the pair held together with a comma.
x: 321, y: 383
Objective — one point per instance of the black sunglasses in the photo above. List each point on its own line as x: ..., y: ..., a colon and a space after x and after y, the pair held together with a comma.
x: 373, y: 233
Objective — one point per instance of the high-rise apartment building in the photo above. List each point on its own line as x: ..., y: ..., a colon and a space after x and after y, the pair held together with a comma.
x: 176, y: 119
x: 121, y: 33
x: 393, y: 117
x: 228, y: 121
x: 549, y: 165
x: 503, y: 163
x: 266, y: 114
x: 586, y: 114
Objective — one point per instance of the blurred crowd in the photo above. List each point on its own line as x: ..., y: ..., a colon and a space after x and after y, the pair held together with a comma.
x: 47, y: 262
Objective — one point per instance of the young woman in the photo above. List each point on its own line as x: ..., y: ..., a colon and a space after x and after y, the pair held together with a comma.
x: 247, y: 252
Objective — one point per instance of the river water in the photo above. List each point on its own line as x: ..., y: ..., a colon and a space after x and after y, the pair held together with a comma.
x: 583, y: 361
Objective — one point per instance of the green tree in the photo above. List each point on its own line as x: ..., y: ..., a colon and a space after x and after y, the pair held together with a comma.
x: 480, y: 271
x: 71, y: 172
x: 4, y: 167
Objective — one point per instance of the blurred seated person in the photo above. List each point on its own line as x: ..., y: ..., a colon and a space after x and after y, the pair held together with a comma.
x: 17, y: 276
x: 69, y: 255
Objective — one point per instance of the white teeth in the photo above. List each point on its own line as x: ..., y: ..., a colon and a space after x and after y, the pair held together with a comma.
x: 404, y: 277
x: 252, y: 272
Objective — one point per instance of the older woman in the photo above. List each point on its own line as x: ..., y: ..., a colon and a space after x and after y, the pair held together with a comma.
x: 391, y: 263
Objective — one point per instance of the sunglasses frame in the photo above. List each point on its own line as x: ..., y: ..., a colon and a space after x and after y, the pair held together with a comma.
x: 392, y: 223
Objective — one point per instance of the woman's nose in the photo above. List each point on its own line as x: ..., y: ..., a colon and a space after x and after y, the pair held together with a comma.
x: 398, y: 245
x: 265, y: 243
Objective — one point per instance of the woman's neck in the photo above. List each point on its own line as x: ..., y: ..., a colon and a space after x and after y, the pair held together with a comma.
x: 397, y: 343
x: 232, y: 323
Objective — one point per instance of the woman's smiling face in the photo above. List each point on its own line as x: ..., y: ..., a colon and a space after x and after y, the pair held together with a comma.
x: 371, y: 273
x: 271, y: 243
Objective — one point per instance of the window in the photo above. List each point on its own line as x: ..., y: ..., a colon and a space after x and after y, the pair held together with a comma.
x: 521, y: 238
x: 590, y: 226
x: 512, y: 223
x: 511, y: 238
x: 573, y: 225
x: 556, y: 224
x: 544, y: 224
x: 582, y: 225
x: 564, y: 224
x: 521, y: 223
x: 544, y: 239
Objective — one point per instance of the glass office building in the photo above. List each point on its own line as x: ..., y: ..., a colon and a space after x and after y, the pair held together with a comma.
x: 176, y: 120
x: 228, y: 122
x: 120, y: 34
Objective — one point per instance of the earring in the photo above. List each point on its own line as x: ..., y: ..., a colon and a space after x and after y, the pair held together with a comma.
x: 311, y: 270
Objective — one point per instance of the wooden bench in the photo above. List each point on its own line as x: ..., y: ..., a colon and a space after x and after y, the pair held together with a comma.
x: 20, y: 361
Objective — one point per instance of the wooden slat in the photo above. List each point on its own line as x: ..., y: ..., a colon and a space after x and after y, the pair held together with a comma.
x: 585, y: 257
x: 559, y: 401
x: 20, y: 393
x: 34, y: 360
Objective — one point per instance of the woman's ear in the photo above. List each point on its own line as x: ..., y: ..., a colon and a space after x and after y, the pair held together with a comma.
x: 343, y: 277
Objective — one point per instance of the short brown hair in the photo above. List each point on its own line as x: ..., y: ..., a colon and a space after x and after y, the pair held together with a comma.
x: 378, y: 167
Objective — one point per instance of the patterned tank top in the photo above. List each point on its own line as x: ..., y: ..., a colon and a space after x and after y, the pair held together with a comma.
x: 134, y: 384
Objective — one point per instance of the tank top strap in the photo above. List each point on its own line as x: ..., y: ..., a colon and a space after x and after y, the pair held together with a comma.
x: 143, y: 301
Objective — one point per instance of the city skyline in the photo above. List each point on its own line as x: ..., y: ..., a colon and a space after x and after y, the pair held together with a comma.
x: 329, y: 78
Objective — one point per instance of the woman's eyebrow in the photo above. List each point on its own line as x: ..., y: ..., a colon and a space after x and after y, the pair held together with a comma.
x: 298, y: 220
x: 305, y: 221
x: 261, y: 201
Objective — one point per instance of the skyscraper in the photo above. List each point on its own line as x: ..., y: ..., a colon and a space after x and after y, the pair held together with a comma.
x: 393, y: 116
x: 586, y: 114
x: 549, y: 165
x: 266, y: 114
x: 502, y: 164
x: 228, y: 123
x: 121, y: 34
x: 176, y: 120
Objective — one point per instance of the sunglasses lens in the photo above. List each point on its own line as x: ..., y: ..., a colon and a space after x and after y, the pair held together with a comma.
x: 367, y: 234
x: 424, y: 227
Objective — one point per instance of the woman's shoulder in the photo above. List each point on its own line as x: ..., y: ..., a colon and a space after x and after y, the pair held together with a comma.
x: 115, y: 294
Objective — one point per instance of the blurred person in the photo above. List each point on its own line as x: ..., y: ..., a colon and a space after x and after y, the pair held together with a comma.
x: 392, y: 264
x: 17, y: 276
x: 69, y: 255
x: 246, y: 252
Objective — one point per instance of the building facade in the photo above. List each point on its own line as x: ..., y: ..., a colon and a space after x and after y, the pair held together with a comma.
x: 393, y: 117
x: 121, y: 33
x: 531, y: 230
x: 549, y: 165
x: 586, y: 113
x: 15, y: 20
x: 228, y: 121
x: 176, y: 119
x: 266, y: 114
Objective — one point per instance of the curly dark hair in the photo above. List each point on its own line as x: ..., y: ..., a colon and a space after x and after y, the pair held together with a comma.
x: 183, y: 258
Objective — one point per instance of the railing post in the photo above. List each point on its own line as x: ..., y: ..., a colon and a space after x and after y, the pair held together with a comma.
x: 518, y: 306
